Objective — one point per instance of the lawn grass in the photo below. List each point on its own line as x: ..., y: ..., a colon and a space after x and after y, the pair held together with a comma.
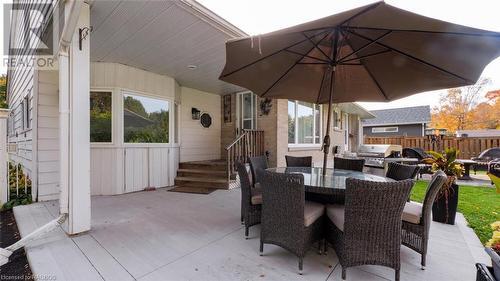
x: 479, y: 205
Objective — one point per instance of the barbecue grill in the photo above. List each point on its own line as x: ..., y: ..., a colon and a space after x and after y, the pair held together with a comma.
x: 378, y: 156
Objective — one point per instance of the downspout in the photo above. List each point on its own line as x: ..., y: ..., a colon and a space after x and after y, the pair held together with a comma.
x: 64, y: 44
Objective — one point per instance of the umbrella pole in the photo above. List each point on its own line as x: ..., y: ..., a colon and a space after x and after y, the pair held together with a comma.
x: 326, y: 140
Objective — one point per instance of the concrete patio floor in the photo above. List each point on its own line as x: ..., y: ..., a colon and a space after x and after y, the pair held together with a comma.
x: 162, y: 235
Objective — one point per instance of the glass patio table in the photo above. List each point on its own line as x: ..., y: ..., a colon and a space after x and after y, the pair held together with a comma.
x: 329, y: 188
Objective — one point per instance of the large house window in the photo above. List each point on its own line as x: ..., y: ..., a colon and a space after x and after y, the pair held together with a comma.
x: 385, y: 130
x: 100, y: 117
x: 145, y: 120
x: 304, y: 122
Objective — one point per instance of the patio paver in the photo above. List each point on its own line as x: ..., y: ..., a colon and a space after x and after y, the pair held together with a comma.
x: 162, y: 235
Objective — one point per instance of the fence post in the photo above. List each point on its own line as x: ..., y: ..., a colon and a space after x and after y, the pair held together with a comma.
x: 4, y: 187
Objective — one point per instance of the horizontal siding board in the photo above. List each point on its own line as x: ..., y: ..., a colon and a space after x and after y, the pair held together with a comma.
x: 48, y: 167
x: 44, y: 156
x: 48, y: 177
x: 48, y: 122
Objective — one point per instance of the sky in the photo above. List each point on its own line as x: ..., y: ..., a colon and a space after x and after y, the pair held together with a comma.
x: 262, y: 16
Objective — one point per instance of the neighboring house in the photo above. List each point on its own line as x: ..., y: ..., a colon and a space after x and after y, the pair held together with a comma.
x: 130, y: 87
x: 406, y: 121
x: 486, y: 133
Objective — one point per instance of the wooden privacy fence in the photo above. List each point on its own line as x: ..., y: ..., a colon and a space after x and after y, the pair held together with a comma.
x: 469, y: 147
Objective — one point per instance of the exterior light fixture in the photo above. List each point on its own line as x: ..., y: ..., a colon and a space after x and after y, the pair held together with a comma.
x: 195, y: 113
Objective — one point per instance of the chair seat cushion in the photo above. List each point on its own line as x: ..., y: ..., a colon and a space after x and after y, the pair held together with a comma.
x: 336, y: 214
x: 412, y: 212
x: 312, y: 212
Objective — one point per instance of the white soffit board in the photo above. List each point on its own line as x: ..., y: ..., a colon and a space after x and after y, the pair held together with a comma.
x: 163, y: 37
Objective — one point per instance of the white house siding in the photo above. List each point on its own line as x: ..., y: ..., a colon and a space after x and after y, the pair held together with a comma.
x: 117, y: 167
x: 21, y: 84
x: 199, y: 143
x: 47, y: 137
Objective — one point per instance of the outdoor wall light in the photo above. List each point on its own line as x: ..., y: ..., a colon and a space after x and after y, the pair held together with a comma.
x: 195, y: 113
x: 192, y: 66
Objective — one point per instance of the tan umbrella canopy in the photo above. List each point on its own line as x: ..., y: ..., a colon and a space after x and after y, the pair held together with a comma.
x: 372, y: 53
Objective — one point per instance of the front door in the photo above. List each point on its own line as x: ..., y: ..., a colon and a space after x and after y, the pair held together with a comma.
x: 247, y: 111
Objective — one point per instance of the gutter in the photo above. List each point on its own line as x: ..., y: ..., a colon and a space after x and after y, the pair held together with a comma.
x: 394, y: 124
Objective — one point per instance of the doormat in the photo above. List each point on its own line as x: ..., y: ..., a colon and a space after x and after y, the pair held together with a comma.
x: 196, y: 190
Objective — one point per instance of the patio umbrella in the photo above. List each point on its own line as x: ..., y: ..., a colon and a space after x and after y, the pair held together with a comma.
x: 372, y: 53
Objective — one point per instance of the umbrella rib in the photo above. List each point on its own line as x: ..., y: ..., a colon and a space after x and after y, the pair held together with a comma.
x: 430, y: 31
x: 350, y: 63
x: 376, y: 83
x: 373, y: 6
x: 287, y: 71
x: 316, y: 45
x: 265, y: 57
x: 413, y: 57
x: 307, y: 56
x: 365, y: 56
x: 364, y: 47
x: 374, y: 80
x: 322, y: 63
x: 369, y: 8
x: 321, y: 85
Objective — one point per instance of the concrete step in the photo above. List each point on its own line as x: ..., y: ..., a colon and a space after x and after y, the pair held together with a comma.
x: 207, y: 182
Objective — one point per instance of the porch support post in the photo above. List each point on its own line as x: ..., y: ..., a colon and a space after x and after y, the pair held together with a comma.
x: 4, y: 187
x: 74, y: 88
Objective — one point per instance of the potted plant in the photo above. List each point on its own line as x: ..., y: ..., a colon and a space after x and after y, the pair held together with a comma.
x: 493, y: 249
x: 444, y: 208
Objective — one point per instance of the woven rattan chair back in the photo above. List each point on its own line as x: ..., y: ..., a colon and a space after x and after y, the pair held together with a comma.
x: 438, y: 180
x: 292, y: 161
x: 258, y: 165
x: 398, y: 171
x: 372, y: 226
x: 283, y: 200
x: 246, y: 193
x: 416, y: 236
x: 348, y: 164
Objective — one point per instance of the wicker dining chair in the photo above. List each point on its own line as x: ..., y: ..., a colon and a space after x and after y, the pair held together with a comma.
x: 398, y: 171
x: 258, y: 165
x: 288, y: 220
x: 417, y: 218
x: 292, y: 161
x: 251, y: 199
x: 348, y: 164
x: 367, y: 229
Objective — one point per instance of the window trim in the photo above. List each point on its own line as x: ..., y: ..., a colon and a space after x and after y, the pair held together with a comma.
x: 239, y: 110
x: 385, y: 130
x: 112, y: 115
x: 306, y: 145
x: 10, y: 124
x: 26, y: 113
x: 124, y: 92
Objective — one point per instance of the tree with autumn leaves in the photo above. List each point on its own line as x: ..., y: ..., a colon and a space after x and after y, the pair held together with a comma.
x: 464, y: 109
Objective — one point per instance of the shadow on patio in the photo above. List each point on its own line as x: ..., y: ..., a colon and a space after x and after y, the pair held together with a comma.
x: 162, y: 235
